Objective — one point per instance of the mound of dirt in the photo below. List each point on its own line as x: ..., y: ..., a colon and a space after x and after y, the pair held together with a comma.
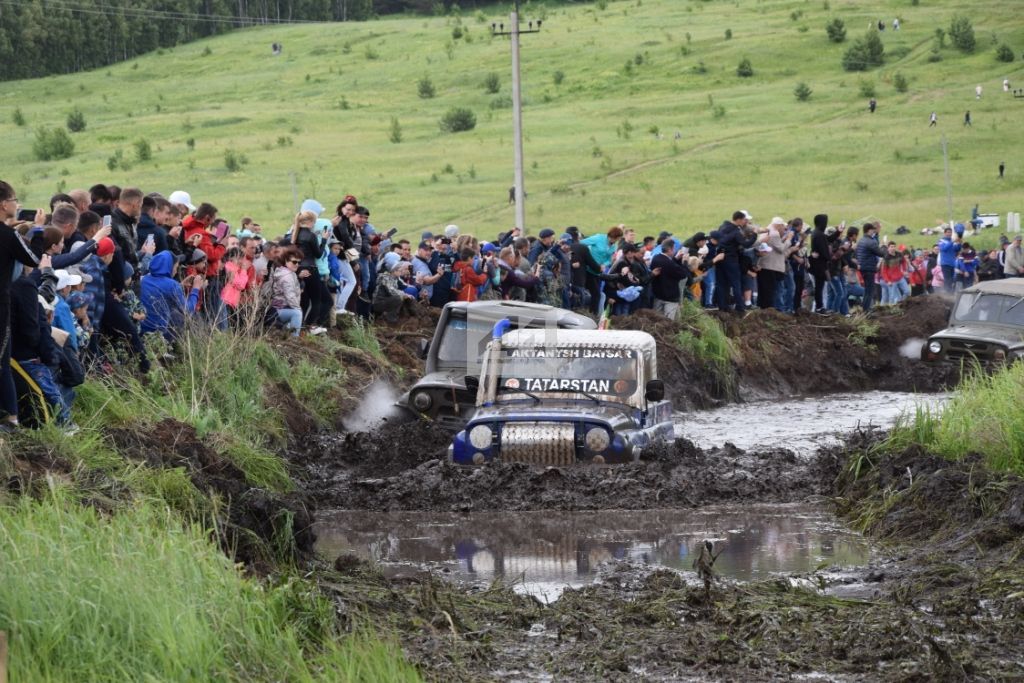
x: 780, y: 355
x: 689, y: 384
x: 924, y: 497
x: 675, y: 475
x: 249, y: 512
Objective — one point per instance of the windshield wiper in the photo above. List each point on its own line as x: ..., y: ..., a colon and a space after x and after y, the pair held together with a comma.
x: 593, y: 398
x: 535, y: 397
x: 1014, y: 305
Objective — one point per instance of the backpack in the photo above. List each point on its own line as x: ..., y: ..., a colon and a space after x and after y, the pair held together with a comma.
x: 266, y: 299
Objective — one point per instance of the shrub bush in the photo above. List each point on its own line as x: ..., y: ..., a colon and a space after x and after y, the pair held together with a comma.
x: 1004, y: 53
x: 425, y: 88
x: 558, y: 77
x: 745, y: 69
x: 867, y: 88
x: 76, y: 121
x: 457, y: 120
x: 396, y: 131
x: 899, y: 81
x: 52, y: 143
x: 492, y: 83
x: 864, y: 54
x: 728, y: 34
x: 233, y: 161
x: 18, y: 118
x: 143, y: 152
x: 961, y: 32
x: 802, y: 91
x: 836, y: 30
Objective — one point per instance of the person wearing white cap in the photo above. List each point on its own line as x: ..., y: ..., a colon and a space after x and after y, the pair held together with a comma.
x: 451, y: 231
x: 183, y: 200
x: 62, y: 316
x: 771, y: 263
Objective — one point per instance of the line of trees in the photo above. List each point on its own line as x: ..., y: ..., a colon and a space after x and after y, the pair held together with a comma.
x: 44, y: 37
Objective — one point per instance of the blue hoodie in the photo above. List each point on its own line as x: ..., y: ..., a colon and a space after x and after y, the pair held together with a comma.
x: 163, y: 298
x: 948, y: 250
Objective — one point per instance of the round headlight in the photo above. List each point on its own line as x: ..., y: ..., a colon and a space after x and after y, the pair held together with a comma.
x: 934, y: 347
x: 421, y: 401
x: 597, y: 439
x: 480, y: 437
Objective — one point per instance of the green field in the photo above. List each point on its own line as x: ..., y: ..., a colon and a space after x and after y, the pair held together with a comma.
x: 322, y: 111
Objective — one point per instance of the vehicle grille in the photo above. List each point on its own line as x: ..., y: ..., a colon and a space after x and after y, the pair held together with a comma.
x: 966, y: 350
x: 539, y: 443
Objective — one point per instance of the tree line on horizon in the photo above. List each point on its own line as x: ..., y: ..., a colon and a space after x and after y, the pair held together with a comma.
x: 46, y: 37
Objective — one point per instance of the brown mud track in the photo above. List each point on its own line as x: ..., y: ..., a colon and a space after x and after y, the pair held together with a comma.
x: 405, y: 468
x: 947, y: 601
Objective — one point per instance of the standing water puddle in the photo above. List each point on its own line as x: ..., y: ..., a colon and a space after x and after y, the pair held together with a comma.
x: 546, y: 552
x: 543, y: 553
x: 799, y: 424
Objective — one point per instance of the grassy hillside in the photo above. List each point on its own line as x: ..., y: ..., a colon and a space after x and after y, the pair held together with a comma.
x: 323, y: 111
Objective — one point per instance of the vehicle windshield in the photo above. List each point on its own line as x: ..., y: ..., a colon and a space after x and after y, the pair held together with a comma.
x: 990, y: 308
x: 460, y: 335
x: 595, y: 371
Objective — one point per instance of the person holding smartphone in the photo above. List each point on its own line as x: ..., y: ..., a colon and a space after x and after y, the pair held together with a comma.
x: 13, y: 253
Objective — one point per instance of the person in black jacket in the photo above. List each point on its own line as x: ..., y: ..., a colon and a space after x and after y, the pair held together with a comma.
x: 584, y: 286
x: 669, y: 272
x: 732, y: 241
x: 32, y: 344
x: 13, y: 252
x: 868, y: 254
x: 821, y: 254
x: 123, y: 221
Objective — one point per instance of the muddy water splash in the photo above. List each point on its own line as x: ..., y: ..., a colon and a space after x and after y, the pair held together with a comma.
x: 376, y: 407
x: 799, y: 424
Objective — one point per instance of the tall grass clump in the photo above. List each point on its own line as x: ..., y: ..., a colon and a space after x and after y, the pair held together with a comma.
x: 983, y: 416
x: 704, y: 339
x: 139, y: 596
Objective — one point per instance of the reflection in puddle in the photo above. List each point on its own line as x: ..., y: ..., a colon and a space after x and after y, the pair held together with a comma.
x: 799, y: 424
x: 545, y: 552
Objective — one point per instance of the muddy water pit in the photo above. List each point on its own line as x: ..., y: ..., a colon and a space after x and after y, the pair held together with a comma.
x: 544, y: 552
x: 799, y: 424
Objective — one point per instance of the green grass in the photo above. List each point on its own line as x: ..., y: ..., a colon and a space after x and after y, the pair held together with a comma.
x: 705, y: 340
x: 983, y: 416
x: 591, y: 157
x: 138, y: 596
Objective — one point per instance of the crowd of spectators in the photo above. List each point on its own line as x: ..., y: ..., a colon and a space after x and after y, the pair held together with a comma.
x: 91, y: 282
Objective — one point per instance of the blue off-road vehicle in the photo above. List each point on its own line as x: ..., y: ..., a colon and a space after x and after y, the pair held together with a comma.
x: 560, y: 397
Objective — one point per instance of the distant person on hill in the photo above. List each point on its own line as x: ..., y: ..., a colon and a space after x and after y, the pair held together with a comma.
x: 933, y: 120
x: 1006, y: 85
x: 872, y: 105
x: 967, y: 118
x: 1002, y: 169
x: 977, y: 92
x: 896, y: 24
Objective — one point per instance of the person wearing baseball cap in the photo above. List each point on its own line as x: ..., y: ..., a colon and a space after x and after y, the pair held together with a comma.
x: 544, y: 243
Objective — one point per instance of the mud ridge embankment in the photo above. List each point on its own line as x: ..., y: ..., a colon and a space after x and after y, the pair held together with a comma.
x: 775, y: 355
x: 405, y: 468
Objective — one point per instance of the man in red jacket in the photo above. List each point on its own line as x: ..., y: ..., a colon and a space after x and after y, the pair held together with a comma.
x: 199, y: 234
